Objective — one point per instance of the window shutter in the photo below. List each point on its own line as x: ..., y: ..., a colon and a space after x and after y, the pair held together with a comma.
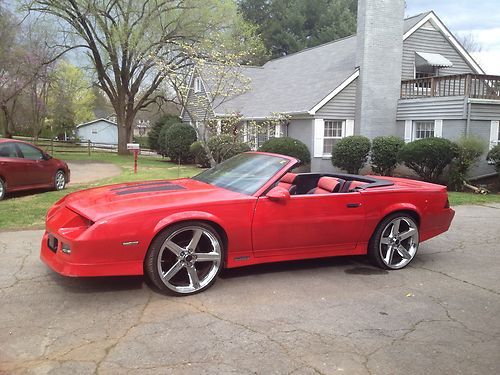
x: 349, y: 127
x: 408, y: 130
x: 245, y: 131
x: 494, y: 134
x: 277, y: 131
x: 438, y: 128
x: 319, y: 132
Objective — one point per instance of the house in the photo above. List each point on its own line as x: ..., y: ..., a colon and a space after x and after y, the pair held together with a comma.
x: 406, y: 77
x: 102, y: 131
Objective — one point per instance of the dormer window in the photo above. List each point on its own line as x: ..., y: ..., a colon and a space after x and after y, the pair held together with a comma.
x: 197, y: 85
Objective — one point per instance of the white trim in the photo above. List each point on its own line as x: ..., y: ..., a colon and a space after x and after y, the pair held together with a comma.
x: 339, y: 88
x: 408, y: 130
x: 494, y: 134
x: 443, y: 29
x: 349, y: 127
x: 96, y: 120
x: 277, y: 131
x: 438, y: 128
x: 219, y: 126
x: 245, y: 131
x: 318, y: 135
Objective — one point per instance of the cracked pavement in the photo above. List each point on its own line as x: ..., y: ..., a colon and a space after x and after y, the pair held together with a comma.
x: 339, y: 315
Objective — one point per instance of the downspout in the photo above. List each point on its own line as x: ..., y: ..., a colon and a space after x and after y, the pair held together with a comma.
x: 467, y: 124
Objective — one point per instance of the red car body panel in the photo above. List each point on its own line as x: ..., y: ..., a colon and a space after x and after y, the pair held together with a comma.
x: 20, y: 173
x: 109, y: 229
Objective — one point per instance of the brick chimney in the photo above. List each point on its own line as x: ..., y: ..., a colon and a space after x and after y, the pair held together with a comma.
x: 379, y: 57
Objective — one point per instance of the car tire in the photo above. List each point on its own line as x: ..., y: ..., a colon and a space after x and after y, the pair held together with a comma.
x: 395, y: 241
x: 59, y: 180
x: 3, y: 189
x: 185, y: 258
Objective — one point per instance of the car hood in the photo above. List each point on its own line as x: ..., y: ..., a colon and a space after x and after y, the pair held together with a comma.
x: 130, y: 198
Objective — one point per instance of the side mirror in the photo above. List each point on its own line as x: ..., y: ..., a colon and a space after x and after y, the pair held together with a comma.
x: 46, y: 156
x: 278, y: 194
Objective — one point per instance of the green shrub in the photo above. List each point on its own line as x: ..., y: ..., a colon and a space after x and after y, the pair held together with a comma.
x: 287, y: 146
x: 178, y: 138
x: 428, y: 157
x: 225, y: 146
x: 350, y: 153
x: 384, y: 155
x: 469, y: 150
x: 154, y: 138
x: 200, y: 155
x: 161, y: 143
x: 494, y: 156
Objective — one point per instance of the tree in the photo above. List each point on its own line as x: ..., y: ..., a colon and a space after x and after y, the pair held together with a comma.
x: 158, y: 125
x: 288, y: 26
x: 124, y: 38
x: 469, y: 42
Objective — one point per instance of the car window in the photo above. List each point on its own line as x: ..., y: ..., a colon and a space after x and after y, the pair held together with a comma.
x: 29, y: 152
x: 7, y: 150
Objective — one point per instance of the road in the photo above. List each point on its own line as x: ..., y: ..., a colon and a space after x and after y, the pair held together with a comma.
x: 440, y: 315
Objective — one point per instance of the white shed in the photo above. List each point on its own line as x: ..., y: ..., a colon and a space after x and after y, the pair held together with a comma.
x: 98, y: 131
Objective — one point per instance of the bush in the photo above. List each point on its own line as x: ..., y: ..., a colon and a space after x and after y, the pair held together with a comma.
x: 178, y: 138
x: 350, y: 153
x: 494, y: 156
x: 154, y: 138
x: 287, y: 146
x: 222, y: 147
x: 384, y: 156
x: 428, y: 157
x: 469, y: 149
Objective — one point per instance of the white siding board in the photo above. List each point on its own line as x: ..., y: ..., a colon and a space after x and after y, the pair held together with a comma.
x: 432, y: 41
x: 341, y: 106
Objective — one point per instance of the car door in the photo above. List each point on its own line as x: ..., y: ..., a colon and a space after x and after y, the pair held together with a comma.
x: 308, y: 224
x: 11, y: 165
x: 38, y: 171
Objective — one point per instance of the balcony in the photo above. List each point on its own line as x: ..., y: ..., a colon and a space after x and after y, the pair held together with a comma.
x: 477, y: 86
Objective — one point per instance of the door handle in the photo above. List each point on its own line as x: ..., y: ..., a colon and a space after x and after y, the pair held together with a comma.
x: 353, y: 205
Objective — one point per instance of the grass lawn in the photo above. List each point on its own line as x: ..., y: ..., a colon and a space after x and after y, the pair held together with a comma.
x: 458, y: 198
x: 27, y: 210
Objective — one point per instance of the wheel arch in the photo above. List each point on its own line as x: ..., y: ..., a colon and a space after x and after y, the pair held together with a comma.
x: 407, y: 208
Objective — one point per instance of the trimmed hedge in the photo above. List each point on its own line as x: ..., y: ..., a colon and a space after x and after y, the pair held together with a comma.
x: 287, y: 146
x: 178, y: 138
x: 428, y: 157
x: 384, y: 154
x: 350, y: 153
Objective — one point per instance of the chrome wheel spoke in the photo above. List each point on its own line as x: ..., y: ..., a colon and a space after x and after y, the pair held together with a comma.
x: 385, y: 241
x: 409, y: 233
x: 389, y: 255
x: 194, y: 241
x: 173, y: 247
x: 395, y: 228
x: 173, y: 271
x: 194, y: 281
x: 207, y: 257
x: 403, y: 252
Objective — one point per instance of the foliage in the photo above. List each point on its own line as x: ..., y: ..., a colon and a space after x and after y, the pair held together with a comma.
x: 178, y: 138
x: 164, y: 121
x: 428, y: 157
x: 350, y: 153
x: 384, y: 154
x: 288, y: 146
x: 288, y: 26
x: 222, y: 147
x: 494, y: 156
x: 469, y: 150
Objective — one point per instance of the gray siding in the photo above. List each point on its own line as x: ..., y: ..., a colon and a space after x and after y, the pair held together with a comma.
x: 485, y: 111
x: 342, y: 106
x: 481, y: 129
x: 432, y: 41
x: 453, y: 129
x: 105, y: 132
x: 451, y: 107
x: 302, y: 130
x: 198, y: 106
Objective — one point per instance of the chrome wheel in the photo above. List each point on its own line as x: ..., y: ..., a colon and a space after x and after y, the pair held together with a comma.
x: 2, y: 189
x: 189, y: 259
x: 399, y: 242
x: 60, y: 180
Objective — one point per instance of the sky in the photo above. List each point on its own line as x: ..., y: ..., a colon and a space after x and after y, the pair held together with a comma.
x: 481, y: 18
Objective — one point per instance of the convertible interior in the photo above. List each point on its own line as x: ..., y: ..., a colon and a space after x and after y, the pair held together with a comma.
x: 316, y: 183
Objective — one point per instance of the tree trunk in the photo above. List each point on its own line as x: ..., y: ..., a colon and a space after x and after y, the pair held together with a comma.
x: 8, y: 122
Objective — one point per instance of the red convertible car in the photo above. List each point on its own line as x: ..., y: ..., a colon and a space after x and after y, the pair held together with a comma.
x: 24, y: 166
x: 247, y: 210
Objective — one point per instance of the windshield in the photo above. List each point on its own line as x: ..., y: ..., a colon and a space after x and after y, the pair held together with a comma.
x: 244, y: 173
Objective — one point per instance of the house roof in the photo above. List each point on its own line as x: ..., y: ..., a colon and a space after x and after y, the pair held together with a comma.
x: 296, y: 83
x: 94, y: 121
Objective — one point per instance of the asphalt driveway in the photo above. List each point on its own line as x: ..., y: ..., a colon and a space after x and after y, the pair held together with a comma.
x: 440, y: 315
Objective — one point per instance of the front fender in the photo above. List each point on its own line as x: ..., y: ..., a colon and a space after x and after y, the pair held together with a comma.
x: 184, y: 216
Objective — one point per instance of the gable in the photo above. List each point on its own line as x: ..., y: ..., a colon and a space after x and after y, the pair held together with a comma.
x: 342, y: 105
x: 198, y: 105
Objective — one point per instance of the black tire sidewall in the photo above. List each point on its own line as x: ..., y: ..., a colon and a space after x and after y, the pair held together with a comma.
x: 151, y: 259
x: 373, y: 245
x: 4, y: 187
x: 55, y: 180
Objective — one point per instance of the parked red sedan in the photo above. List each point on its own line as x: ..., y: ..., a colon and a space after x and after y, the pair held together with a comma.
x: 24, y: 166
x: 247, y: 210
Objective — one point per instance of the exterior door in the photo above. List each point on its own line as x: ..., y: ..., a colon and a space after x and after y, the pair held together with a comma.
x: 308, y: 223
x: 11, y: 165
x: 37, y: 170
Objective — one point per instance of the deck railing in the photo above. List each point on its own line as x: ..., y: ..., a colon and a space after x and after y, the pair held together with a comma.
x: 479, y: 86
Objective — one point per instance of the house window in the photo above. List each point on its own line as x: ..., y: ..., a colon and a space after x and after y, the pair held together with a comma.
x: 423, y: 129
x: 425, y: 71
x: 197, y: 85
x: 334, y: 130
x: 94, y: 131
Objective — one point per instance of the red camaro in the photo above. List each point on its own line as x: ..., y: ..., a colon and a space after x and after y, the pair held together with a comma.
x: 24, y: 166
x: 250, y: 209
